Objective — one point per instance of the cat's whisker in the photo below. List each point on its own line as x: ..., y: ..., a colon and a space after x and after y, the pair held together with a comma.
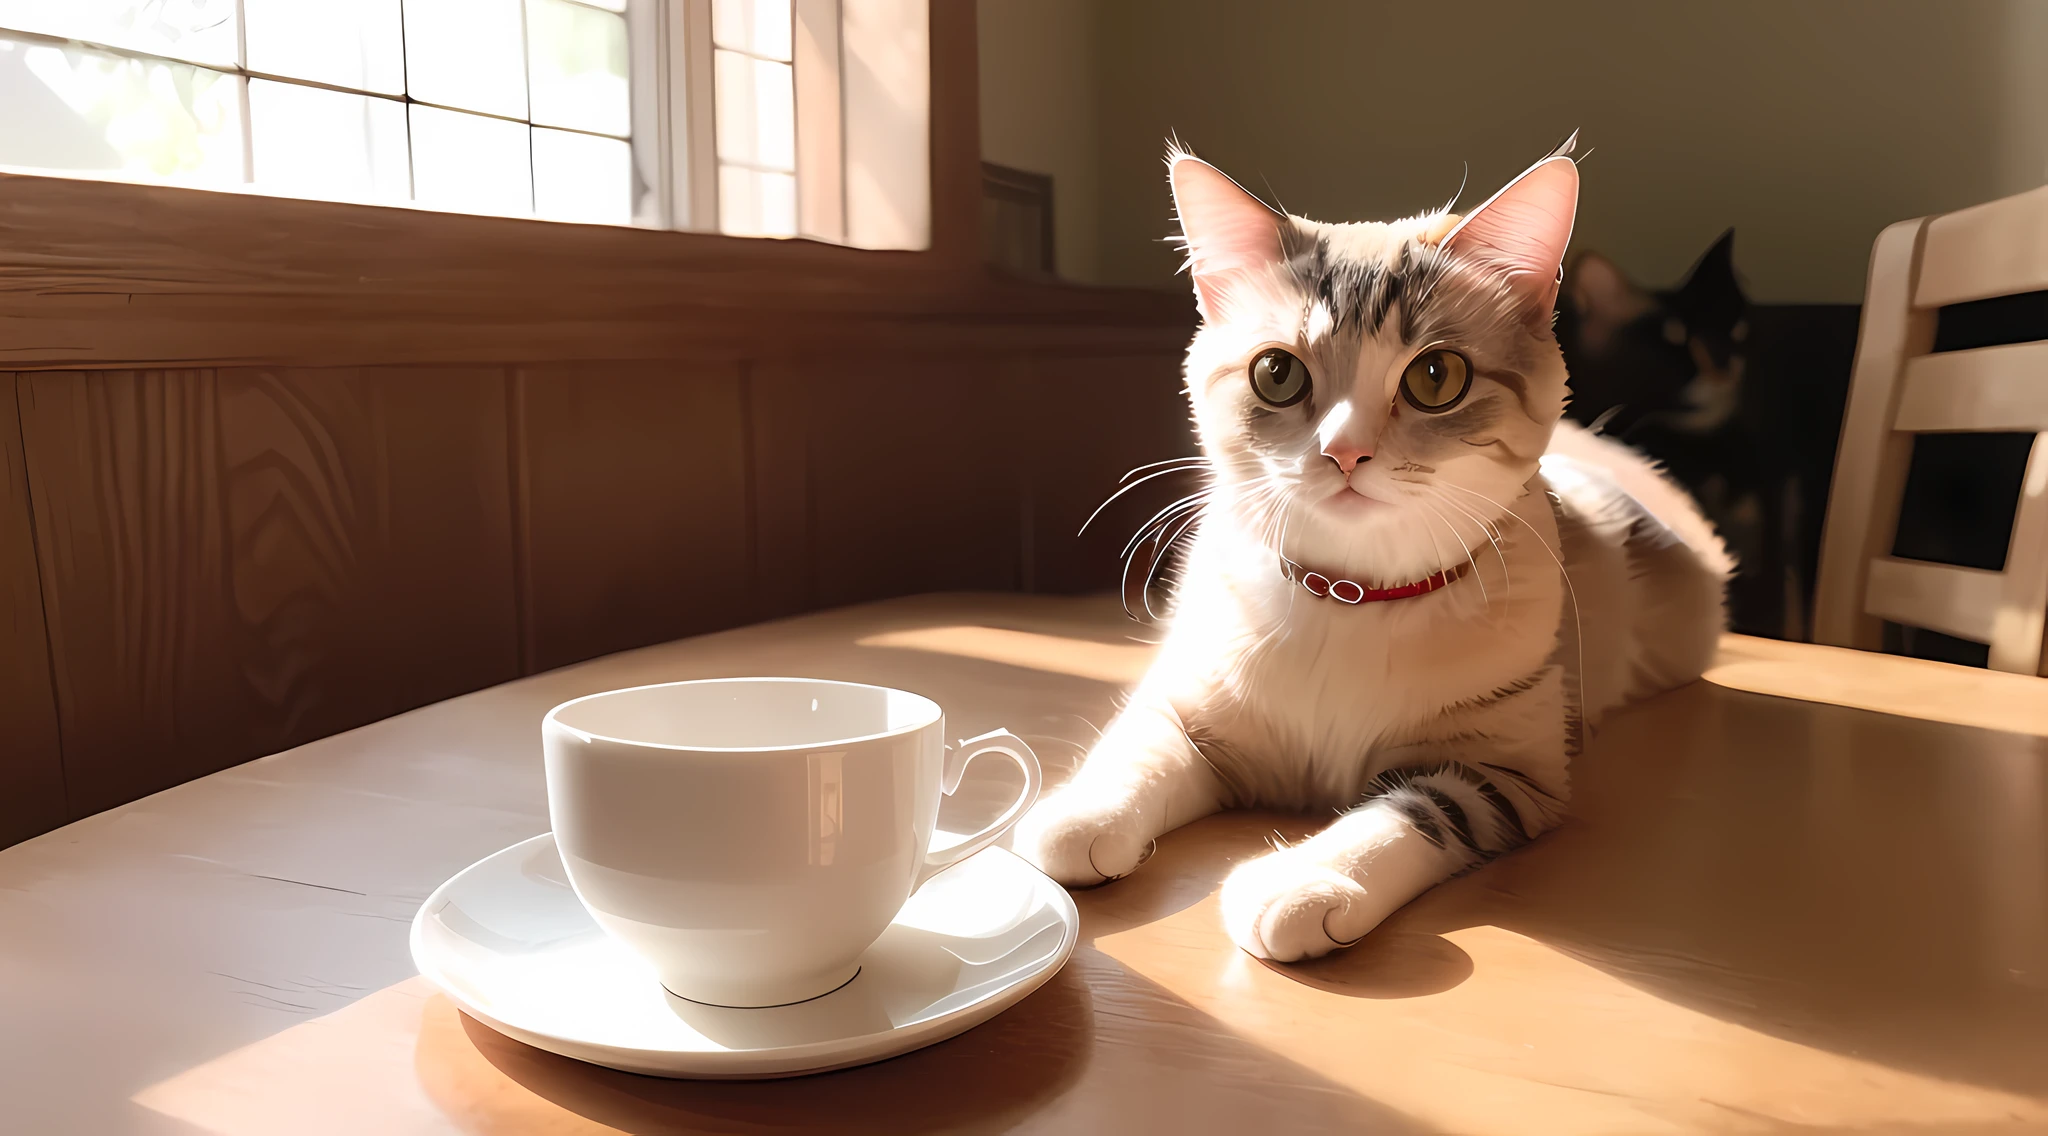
x: 1492, y: 538
x: 1162, y: 544
x: 1180, y: 463
x: 1441, y: 567
x: 1119, y: 493
x: 1478, y: 577
x: 1193, y: 501
x: 1492, y: 529
x: 1578, y: 629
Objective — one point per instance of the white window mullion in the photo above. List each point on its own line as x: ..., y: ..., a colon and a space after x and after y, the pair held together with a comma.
x: 820, y: 124
x: 242, y: 92
x: 694, y: 138
x: 647, y: 37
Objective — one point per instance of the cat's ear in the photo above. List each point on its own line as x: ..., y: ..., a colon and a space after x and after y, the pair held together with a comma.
x: 1714, y: 275
x: 1525, y: 227
x: 1230, y: 234
x: 1603, y: 299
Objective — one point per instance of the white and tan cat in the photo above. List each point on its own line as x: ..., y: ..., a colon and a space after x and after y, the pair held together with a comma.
x: 1413, y: 588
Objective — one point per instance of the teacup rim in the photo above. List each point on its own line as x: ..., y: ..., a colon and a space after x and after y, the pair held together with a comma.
x: 936, y: 716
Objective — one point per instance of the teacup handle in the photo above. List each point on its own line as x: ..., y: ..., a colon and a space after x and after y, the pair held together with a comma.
x: 995, y: 741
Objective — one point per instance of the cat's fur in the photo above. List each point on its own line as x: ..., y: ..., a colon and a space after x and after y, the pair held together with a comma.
x: 1441, y: 725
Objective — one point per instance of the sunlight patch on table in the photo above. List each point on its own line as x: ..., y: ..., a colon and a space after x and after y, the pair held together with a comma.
x: 350, y: 1072
x: 1885, y: 684
x: 1536, y: 1042
x: 1056, y: 654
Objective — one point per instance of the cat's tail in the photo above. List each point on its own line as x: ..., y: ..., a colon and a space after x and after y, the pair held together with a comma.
x: 1644, y: 480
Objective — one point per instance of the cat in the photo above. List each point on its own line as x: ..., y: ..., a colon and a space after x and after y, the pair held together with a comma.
x: 1740, y: 402
x: 1413, y: 588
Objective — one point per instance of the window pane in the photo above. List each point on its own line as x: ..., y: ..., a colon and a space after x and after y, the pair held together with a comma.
x: 758, y: 27
x: 580, y: 177
x: 71, y: 108
x: 578, y: 67
x: 467, y: 53
x: 756, y: 112
x: 202, y: 31
x: 467, y: 162
x: 314, y: 143
x: 349, y: 43
x: 754, y: 204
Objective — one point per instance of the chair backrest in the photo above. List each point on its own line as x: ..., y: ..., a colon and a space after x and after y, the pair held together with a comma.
x: 1900, y: 389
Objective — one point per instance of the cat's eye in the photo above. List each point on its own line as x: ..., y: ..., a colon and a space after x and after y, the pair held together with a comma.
x: 1278, y: 378
x: 1436, y: 380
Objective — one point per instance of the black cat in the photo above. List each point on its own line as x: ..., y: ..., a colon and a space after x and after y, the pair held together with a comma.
x: 1741, y: 402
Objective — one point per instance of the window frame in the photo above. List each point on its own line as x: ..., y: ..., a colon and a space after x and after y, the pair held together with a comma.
x: 98, y: 273
x: 672, y: 124
x: 242, y: 74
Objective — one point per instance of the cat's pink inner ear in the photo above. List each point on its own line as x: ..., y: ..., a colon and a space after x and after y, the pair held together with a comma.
x: 1526, y: 226
x: 1229, y: 232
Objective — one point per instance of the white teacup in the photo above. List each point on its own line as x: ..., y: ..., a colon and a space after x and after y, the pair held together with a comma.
x: 751, y: 837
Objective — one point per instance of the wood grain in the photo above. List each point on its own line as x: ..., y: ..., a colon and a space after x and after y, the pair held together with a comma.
x: 1809, y: 894
x: 97, y: 274
x: 236, y: 562
x: 634, y: 506
x: 31, y: 768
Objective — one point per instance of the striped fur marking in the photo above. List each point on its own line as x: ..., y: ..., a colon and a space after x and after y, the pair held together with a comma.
x: 1429, y: 801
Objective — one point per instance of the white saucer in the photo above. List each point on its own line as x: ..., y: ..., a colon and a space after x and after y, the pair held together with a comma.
x: 509, y: 941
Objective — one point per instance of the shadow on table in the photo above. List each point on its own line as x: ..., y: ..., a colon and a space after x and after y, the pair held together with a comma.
x: 1097, y: 1049
x: 1403, y: 959
x: 1870, y: 885
x: 990, y: 1077
x: 1396, y: 962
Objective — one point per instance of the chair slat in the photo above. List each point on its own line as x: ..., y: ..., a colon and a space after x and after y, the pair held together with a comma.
x: 1991, y: 388
x: 2019, y: 635
x: 1962, y: 602
x: 1870, y: 465
x: 1995, y: 249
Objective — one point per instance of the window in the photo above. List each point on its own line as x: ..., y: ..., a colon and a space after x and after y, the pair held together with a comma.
x: 726, y: 115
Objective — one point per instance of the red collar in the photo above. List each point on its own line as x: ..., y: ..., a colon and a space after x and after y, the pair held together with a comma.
x: 1353, y: 592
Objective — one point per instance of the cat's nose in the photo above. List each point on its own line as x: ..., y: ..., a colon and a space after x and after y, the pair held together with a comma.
x: 1346, y: 454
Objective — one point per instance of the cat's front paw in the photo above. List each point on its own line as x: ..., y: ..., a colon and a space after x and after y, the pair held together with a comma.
x: 1082, y: 839
x: 1286, y: 906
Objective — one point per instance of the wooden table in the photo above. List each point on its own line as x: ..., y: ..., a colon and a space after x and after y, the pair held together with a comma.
x: 1807, y: 894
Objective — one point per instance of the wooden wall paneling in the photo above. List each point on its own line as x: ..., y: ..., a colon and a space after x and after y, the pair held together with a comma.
x: 102, y: 275
x: 1092, y: 419
x: 917, y: 468
x: 778, y: 434
x: 236, y: 562
x: 31, y: 767
x: 634, y: 496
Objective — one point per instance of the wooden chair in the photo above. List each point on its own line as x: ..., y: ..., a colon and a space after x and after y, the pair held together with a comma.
x: 1898, y: 390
